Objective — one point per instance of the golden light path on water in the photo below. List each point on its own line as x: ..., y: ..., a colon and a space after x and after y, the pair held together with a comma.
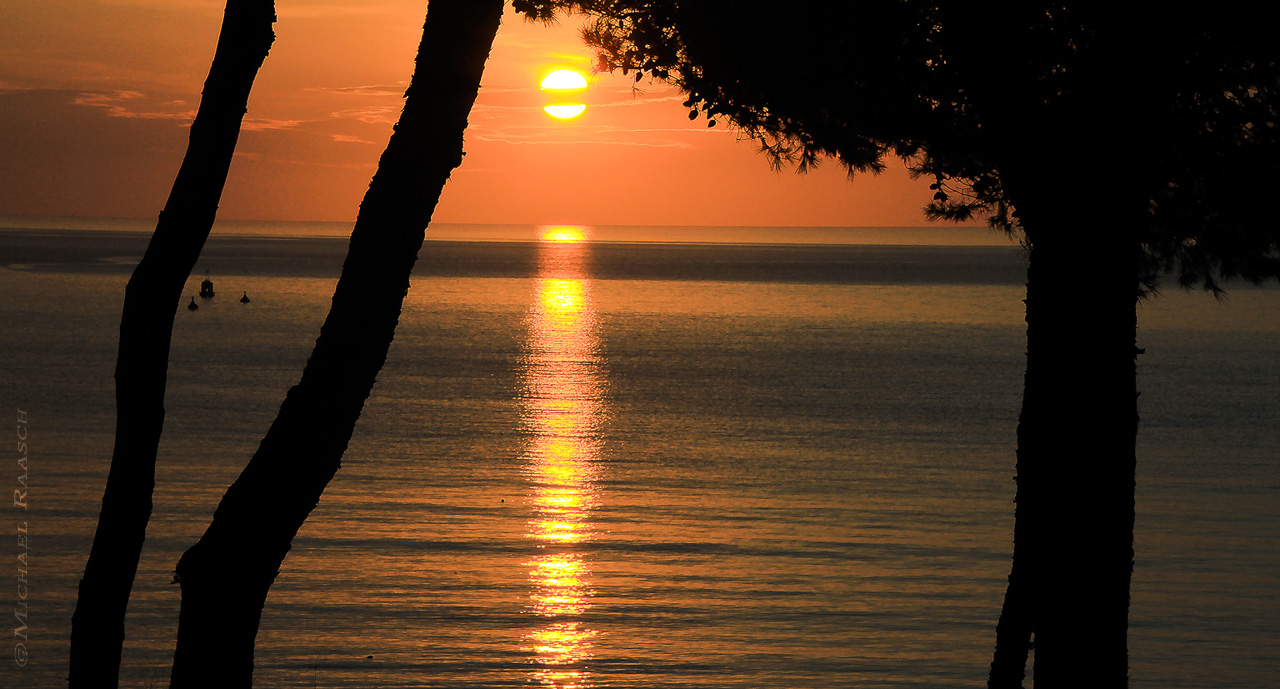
x: 563, y: 409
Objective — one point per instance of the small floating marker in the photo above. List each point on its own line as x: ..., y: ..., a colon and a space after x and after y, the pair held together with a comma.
x: 245, y: 299
x: 206, y: 287
x: 193, y: 305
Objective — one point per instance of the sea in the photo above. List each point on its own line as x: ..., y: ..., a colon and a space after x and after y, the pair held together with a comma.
x: 634, y: 457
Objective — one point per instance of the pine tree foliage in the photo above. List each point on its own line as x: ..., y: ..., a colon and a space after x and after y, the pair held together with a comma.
x: 1119, y: 143
x: 865, y: 81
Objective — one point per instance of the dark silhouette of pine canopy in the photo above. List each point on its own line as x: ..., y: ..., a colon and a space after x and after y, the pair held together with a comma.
x: 1118, y: 144
x: 962, y: 90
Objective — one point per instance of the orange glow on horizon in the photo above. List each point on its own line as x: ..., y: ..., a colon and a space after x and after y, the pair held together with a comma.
x: 564, y: 233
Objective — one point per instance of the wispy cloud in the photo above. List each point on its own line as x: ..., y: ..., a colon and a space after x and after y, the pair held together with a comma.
x: 325, y: 164
x: 396, y: 90
x: 632, y: 102
x: 328, y: 10
x: 137, y: 105
x: 260, y: 124
x: 343, y: 138
x: 204, y: 5
x: 592, y: 136
x: 370, y: 115
x: 116, y: 104
x: 582, y: 60
x: 486, y: 89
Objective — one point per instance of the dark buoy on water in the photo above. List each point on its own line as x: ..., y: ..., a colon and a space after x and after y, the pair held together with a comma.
x: 206, y: 287
x: 193, y: 305
x: 244, y: 299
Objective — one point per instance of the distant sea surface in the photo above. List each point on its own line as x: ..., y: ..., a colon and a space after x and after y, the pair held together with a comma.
x: 764, y: 458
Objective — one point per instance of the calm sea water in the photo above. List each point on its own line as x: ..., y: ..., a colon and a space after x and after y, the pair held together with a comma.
x: 644, y: 465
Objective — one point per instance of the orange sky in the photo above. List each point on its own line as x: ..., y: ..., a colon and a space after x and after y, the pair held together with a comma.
x: 96, y: 95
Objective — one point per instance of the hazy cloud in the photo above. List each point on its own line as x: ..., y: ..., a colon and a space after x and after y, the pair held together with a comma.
x: 329, y: 10
x: 641, y: 100
x: 596, y: 137
x: 396, y: 90
x: 370, y: 115
x: 134, y: 104
x: 204, y: 5
x: 259, y: 124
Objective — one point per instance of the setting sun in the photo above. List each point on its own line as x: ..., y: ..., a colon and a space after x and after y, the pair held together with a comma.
x: 564, y: 83
x: 564, y: 79
x: 565, y: 112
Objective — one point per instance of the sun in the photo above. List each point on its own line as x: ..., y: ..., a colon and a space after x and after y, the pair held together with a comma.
x: 564, y: 79
x: 564, y: 85
x: 565, y: 112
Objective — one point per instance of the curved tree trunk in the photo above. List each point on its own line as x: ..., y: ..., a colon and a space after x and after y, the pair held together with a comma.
x: 152, y: 297
x: 225, y: 577
x: 1016, y: 625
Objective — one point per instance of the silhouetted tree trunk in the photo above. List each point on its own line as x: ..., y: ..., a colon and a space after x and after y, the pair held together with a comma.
x: 1073, y: 557
x: 1068, y: 589
x: 152, y: 297
x: 1015, y: 627
x: 1073, y: 535
x: 225, y: 577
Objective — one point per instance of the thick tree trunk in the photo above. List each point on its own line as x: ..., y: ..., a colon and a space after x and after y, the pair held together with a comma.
x: 1073, y: 551
x: 151, y: 299
x: 1078, y: 426
x: 1068, y: 593
x: 225, y: 577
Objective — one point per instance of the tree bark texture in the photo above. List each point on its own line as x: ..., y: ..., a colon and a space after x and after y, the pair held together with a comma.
x: 225, y: 577
x: 152, y: 297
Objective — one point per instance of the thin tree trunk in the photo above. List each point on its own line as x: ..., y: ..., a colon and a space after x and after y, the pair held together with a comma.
x: 1016, y: 625
x: 151, y: 299
x: 225, y: 577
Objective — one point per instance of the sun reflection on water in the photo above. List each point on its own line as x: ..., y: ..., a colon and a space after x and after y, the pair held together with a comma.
x: 563, y: 410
